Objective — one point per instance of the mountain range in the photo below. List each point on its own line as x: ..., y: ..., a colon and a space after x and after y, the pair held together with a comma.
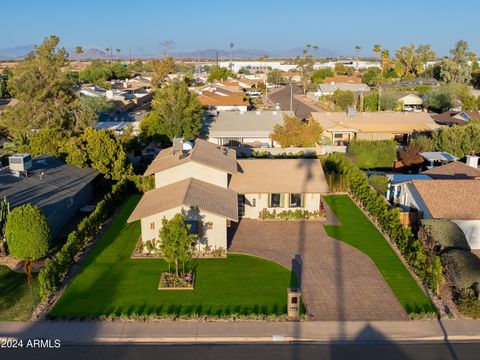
x: 19, y: 52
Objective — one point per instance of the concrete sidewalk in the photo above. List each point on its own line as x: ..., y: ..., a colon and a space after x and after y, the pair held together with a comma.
x: 242, y: 331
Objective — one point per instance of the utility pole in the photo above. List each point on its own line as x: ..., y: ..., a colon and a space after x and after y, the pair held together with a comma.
x: 130, y: 56
x: 291, y: 97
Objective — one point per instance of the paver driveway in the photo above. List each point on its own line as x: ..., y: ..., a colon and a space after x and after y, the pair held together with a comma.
x: 338, y: 282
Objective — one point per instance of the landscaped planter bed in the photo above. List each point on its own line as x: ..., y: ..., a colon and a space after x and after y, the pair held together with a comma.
x: 184, y: 281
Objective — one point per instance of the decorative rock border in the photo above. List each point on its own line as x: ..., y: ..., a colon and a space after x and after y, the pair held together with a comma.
x: 177, y: 288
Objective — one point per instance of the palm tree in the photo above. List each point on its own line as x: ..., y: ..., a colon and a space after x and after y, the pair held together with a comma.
x: 357, y: 51
x: 385, y: 57
x: 315, y: 48
x: 107, y: 50
x: 79, y: 51
x: 231, y: 54
x: 118, y: 51
x: 377, y: 49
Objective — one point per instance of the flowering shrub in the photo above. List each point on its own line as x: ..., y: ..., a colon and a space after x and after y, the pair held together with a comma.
x: 292, y: 214
x: 182, y: 280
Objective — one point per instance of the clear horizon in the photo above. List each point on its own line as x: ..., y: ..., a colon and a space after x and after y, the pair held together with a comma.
x: 270, y: 26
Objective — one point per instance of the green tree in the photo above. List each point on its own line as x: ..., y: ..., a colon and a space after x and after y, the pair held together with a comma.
x: 79, y: 51
x: 89, y: 108
x: 456, y: 68
x: 295, y: 132
x: 343, y: 99
x: 106, y: 153
x: 370, y: 101
x: 319, y: 75
x: 408, y: 61
x: 27, y: 233
x: 177, y: 244
x: 4, y: 94
x: 137, y: 66
x: 388, y: 102
x: 76, y: 152
x: 176, y: 112
x: 458, y: 140
x: 220, y: 74
x: 377, y: 50
x: 47, y: 141
x: 98, y: 72
x: 425, y: 54
x: 44, y: 90
x: 341, y: 69
x: 120, y: 71
x: 305, y: 69
x: 160, y: 69
x: 370, y: 76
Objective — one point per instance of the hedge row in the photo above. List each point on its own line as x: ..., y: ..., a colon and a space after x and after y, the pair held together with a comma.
x: 373, y: 154
x: 56, y: 268
x: 352, y: 179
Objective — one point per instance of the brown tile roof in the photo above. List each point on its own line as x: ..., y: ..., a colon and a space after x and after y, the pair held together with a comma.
x: 203, y: 152
x: 383, y: 121
x: 451, y: 199
x: 450, y: 117
x: 279, y: 176
x: 453, y: 170
x: 190, y: 192
x: 212, y: 99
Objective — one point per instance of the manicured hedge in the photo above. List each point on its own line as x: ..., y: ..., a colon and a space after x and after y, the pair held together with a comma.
x: 348, y: 177
x: 462, y: 268
x: 443, y: 234
x: 373, y: 154
x: 57, y: 267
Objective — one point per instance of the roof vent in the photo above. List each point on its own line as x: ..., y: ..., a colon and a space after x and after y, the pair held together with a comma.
x: 177, y: 144
x: 472, y: 161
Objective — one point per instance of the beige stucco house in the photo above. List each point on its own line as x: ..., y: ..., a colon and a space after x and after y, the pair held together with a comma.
x: 212, y: 188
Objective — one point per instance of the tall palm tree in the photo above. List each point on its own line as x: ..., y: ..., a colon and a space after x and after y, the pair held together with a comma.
x: 385, y: 57
x: 118, y: 51
x: 231, y: 54
x: 315, y: 48
x: 357, y: 51
x: 377, y: 49
x: 78, y: 51
x: 107, y: 50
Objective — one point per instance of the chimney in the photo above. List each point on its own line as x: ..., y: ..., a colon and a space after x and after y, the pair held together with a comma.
x: 351, y: 112
x: 177, y: 144
x: 472, y: 161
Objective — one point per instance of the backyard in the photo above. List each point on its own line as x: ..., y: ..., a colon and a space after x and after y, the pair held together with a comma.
x: 15, y: 295
x: 358, y: 231
x: 111, y: 283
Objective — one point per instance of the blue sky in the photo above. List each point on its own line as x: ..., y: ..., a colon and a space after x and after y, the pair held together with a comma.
x: 270, y: 25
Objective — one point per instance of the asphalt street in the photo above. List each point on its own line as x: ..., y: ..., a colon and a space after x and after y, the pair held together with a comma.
x: 282, y: 97
x: 370, y: 351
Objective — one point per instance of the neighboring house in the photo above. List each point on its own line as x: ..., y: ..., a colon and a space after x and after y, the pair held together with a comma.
x: 437, y: 158
x: 252, y: 128
x: 216, y: 102
x: 330, y: 88
x: 207, y: 184
x: 341, y: 128
x: 342, y: 79
x: 218, y: 90
x: 411, y: 102
x: 248, y: 83
x: 450, y: 118
x: 254, y: 66
x: 119, y: 122
x: 455, y: 200
x: 456, y: 170
x: 59, y: 189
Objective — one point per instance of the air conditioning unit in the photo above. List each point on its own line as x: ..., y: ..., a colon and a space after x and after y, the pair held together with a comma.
x: 20, y: 162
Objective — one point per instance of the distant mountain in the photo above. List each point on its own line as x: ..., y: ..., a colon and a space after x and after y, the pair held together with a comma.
x: 19, y: 52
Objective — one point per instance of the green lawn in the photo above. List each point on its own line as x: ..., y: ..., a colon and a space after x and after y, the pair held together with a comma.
x: 15, y: 295
x: 110, y: 283
x: 358, y: 231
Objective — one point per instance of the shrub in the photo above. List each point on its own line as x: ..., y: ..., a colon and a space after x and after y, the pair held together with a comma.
x: 27, y: 232
x: 443, y: 234
x: 373, y: 154
x: 56, y: 269
x: 462, y: 268
x: 468, y: 303
x: 379, y: 182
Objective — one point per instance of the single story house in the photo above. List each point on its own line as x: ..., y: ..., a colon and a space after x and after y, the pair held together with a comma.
x: 411, y: 102
x: 330, y: 88
x: 342, y: 79
x: 456, y: 170
x: 455, y: 200
x: 252, y: 128
x: 452, y: 117
x: 59, y: 189
x: 216, y: 102
x: 342, y: 127
x: 212, y: 188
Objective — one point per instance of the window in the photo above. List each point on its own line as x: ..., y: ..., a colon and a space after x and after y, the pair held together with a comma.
x: 254, y: 202
x: 193, y: 226
x: 296, y: 200
x: 152, y: 226
x: 275, y: 200
x: 338, y: 136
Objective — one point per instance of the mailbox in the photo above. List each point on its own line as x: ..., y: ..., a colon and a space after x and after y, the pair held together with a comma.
x: 294, y: 302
